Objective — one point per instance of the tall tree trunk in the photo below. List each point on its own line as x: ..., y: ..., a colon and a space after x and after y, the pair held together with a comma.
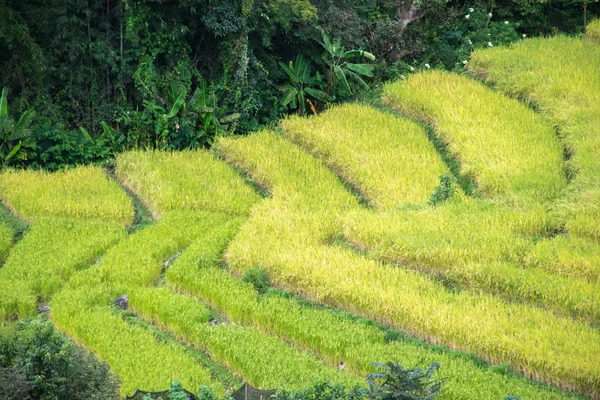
x: 407, y: 12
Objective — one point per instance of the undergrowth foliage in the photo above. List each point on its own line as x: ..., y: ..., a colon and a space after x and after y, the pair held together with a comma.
x: 37, y: 362
x: 445, y: 190
x: 394, y: 382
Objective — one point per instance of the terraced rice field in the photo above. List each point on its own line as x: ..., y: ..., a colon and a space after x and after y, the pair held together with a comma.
x: 343, y: 212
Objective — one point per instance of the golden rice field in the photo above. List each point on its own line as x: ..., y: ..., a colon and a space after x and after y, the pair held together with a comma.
x: 457, y: 222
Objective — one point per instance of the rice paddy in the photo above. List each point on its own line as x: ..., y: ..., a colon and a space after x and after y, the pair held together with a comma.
x: 373, y: 250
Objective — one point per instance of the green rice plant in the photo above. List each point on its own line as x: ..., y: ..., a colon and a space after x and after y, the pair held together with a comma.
x: 566, y: 256
x: 77, y: 215
x: 474, y: 243
x: 132, y: 267
x: 479, y: 245
x: 10, y: 221
x: 80, y: 193
x: 6, y: 240
x: 506, y: 148
x: 592, y: 31
x: 135, y: 265
x: 288, y: 234
x: 139, y: 359
x: 388, y: 160
x: 331, y: 335
x: 561, y: 77
x: 179, y: 181
x: 309, y: 184
x: 83, y: 309
x: 263, y: 360
x: 44, y: 260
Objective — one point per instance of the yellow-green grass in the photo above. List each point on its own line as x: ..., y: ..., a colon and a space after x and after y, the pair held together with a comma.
x: 263, y: 360
x: 477, y: 245
x: 561, y: 76
x: 473, y: 242
x: 6, y: 240
x: 44, y: 260
x: 83, y: 310
x: 505, y: 147
x: 134, y: 265
x: 388, y: 160
x: 332, y: 335
x: 140, y: 361
x: 77, y: 214
x: 287, y: 234
x: 567, y: 256
x: 181, y: 181
x: 307, y: 184
x: 80, y: 193
x: 592, y: 31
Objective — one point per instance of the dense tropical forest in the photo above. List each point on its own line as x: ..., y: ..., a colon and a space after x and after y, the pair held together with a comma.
x: 299, y: 200
x: 93, y: 78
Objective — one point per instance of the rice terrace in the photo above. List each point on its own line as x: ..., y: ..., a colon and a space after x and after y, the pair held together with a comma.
x: 451, y: 224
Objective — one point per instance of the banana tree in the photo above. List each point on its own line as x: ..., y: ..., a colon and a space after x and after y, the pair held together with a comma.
x: 213, y: 119
x: 341, y: 69
x: 301, y: 85
x: 13, y: 135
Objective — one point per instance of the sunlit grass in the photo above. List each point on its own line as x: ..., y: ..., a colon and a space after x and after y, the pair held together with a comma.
x: 561, y: 76
x: 332, y: 335
x: 77, y: 214
x: 506, y: 148
x: 44, y: 260
x: 287, y: 235
x: 6, y: 240
x: 135, y: 265
x: 81, y: 193
x: 179, y: 181
x: 388, y: 160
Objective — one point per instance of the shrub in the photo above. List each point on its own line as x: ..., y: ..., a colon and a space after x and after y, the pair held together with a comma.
x: 398, y: 383
x: 259, y: 278
x: 445, y: 190
x: 37, y: 358
x: 322, y: 390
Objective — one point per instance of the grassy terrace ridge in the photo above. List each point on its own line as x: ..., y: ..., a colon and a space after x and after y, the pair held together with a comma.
x: 6, y: 240
x: 482, y: 247
x: 83, y: 310
x: 84, y: 193
x: 134, y: 265
x: 504, y: 146
x: 179, y: 180
x: 482, y: 244
x: 288, y: 235
x: 388, y: 160
x: 332, y: 335
x: 561, y: 76
x: 76, y: 215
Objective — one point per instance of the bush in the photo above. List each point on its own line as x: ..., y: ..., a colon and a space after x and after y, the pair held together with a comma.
x: 259, y: 278
x: 398, y: 383
x: 37, y: 362
x: 322, y: 390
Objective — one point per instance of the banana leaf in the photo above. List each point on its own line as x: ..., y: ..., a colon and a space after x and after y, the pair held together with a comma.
x: 177, y: 106
x: 359, y: 53
x: 361, y: 69
x: 3, y: 103
x: 341, y: 77
x: 317, y: 94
